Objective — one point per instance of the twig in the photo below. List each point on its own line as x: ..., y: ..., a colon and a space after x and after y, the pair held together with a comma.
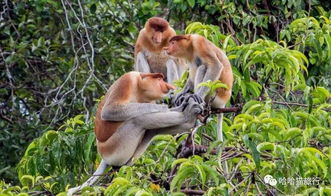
x: 192, y: 192
x: 258, y: 188
x: 289, y: 103
x: 226, y: 179
x: 248, y: 186
x: 261, y: 180
x: 282, y: 99
x: 225, y: 110
x: 207, y: 137
x: 242, y: 181
x: 235, y: 169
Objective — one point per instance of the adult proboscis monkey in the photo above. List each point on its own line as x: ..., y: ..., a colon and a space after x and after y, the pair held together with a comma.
x: 127, y: 119
x: 206, y: 62
x: 149, y: 54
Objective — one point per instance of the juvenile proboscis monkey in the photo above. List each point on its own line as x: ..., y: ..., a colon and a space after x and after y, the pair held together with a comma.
x: 206, y: 62
x: 149, y: 54
x: 127, y: 119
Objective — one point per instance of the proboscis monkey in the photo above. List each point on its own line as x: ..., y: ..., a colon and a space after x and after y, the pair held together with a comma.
x: 127, y: 119
x: 206, y: 62
x: 149, y: 54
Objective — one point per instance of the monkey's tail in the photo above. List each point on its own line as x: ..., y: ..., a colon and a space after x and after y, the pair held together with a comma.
x: 102, y: 167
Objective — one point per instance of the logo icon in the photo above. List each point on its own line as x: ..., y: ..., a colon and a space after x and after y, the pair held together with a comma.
x: 268, y: 179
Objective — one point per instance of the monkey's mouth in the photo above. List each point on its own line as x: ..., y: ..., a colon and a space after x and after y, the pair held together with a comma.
x: 168, y: 52
x: 157, y: 43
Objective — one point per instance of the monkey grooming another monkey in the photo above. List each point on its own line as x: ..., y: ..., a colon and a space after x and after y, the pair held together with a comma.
x: 149, y: 54
x: 127, y: 119
x: 206, y: 62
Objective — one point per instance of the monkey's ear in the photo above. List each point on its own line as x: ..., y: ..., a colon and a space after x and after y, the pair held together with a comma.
x: 180, y: 37
x: 153, y: 75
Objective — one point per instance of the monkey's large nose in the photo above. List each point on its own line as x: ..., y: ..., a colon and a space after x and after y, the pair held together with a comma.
x: 170, y: 86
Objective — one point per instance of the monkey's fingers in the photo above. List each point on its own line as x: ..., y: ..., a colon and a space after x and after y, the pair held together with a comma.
x: 201, y: 118
x: 196, y: 107
x: 197, y: 98
x: 180, y: 98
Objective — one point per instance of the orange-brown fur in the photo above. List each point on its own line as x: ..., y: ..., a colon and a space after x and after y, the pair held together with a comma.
x: 121, y: 134
x: 192, y: 46
x: 119, y: 93
x: 127, y: 89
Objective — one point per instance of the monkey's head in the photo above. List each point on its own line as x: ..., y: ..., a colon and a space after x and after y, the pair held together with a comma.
x: 152, y: 86
x: 179, y: 46
x: 156, y: 27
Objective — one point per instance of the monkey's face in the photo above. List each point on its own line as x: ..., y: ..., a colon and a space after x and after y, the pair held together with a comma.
x: 157, y: 37
x: 176, y: 48
x: 156, y: 27
x: 153, y: 87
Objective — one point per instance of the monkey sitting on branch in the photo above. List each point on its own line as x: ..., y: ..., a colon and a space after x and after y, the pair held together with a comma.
x: 127, y: 119
x: 206, y: 62
x: 149, y: 54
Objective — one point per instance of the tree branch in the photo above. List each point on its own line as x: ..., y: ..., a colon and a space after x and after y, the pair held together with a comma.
x: 192, y: 192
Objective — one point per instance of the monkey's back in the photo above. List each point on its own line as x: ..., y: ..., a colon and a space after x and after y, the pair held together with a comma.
x: 104, y: 129
x: 119, y: 91
x: 226, y: 77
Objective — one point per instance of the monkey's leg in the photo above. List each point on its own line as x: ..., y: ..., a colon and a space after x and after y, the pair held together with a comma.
x: 219, y: 127
x: 172, y: 72
x: 163, y: 123
x: 220, y: 137
x: 130, y: 110
x: 142, y: 146
x: 149, y: 134
x: 200, y: 73
x: 212, y: 73
x: 142, y: 64
x: 159, y: 120
x: 102, y: 167
x: 181, y: 67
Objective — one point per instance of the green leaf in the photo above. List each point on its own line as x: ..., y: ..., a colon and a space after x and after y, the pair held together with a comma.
x: 182, y: 174
x: 251, y: 145
x: 191, y: 3
x: 291, y: 133
x: 265, y: 146
x: 27, y: 180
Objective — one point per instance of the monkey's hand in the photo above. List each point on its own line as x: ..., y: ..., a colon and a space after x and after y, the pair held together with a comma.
x: 185, y: 101
x: 182, y: 98
x: 193, y: 109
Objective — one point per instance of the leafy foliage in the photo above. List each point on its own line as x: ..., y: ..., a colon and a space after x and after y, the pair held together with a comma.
x: 58, y: 156
x: 313, y: 37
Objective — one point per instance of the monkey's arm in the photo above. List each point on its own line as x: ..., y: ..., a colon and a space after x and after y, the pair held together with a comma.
x: 172, y: 71
x: 123, y: 112
x: 180, y: 97
x: 211, y: 73
x: 141, y: 64
x: 188, y: 86
x: 170, y: 118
